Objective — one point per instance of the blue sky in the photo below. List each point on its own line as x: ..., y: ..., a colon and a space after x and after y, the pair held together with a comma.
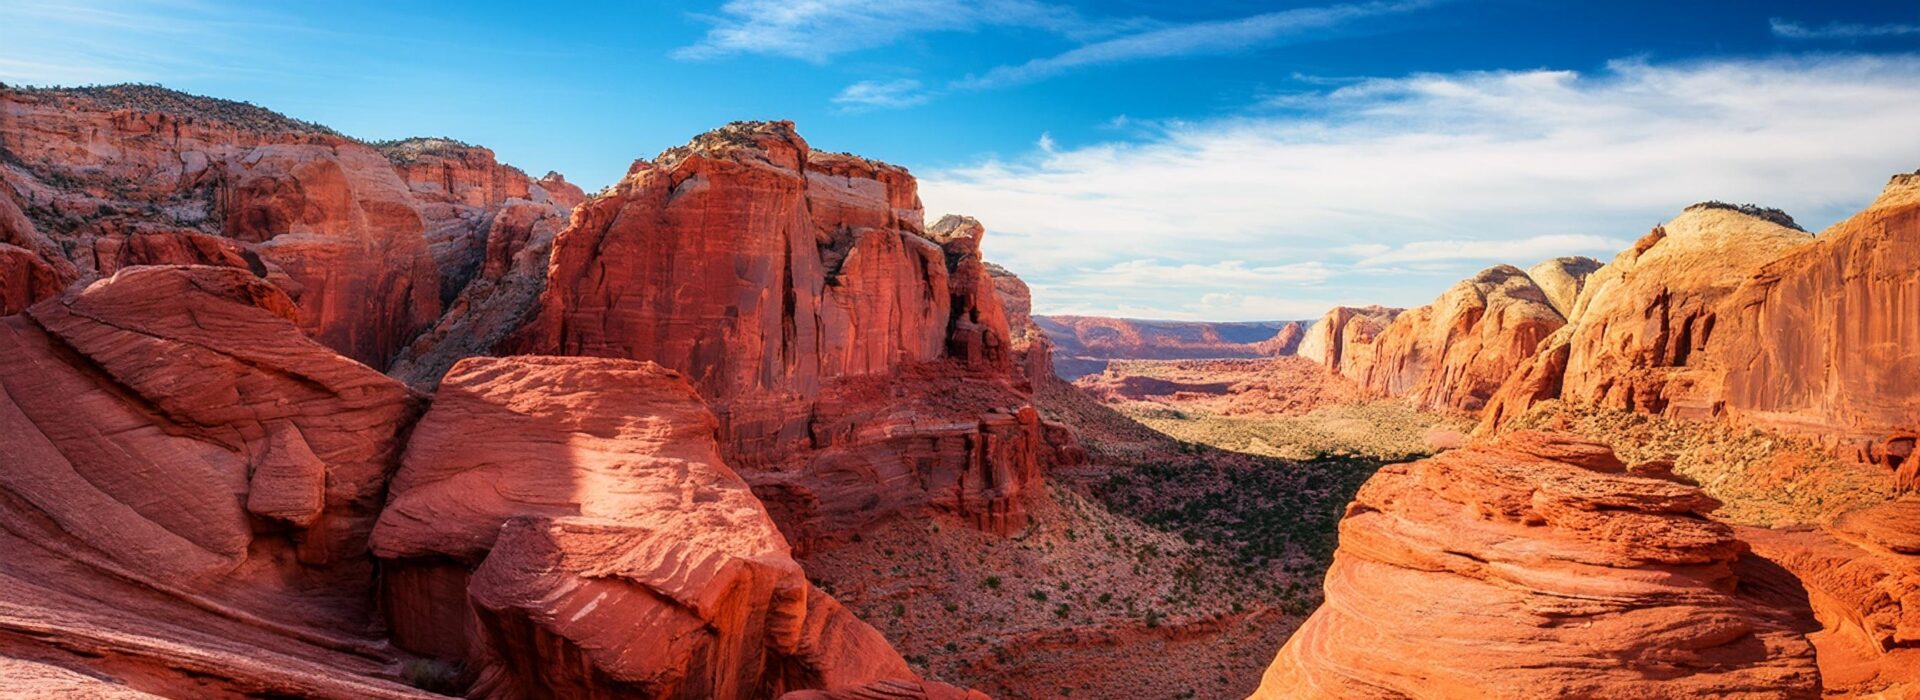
x: 1224, y: 160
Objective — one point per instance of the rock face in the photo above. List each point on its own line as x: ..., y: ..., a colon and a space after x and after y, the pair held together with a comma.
x: 188, y: 487
x: 1343, y: 338
x: 370, y: 243
x: 1541, y: 566
x: 1826, y: 339
x: 1862, y: 574
x: 1453, y: 354
x: 1561, y: 279
x: 1085, y: 344
x: 567, y: 526
x: 860, y: 363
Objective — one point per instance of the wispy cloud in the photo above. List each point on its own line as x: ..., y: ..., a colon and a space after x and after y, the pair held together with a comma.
x: 1529, y: 248
x: 1787, y: 29
x: 1398, y: 187
x: 882, y: 94
x: 818, y: 30
x: 1196, y: 38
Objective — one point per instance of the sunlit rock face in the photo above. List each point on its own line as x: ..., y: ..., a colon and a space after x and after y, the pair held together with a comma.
x: 566, y: 526
x: 1540, y: 566
x: 859, y: 361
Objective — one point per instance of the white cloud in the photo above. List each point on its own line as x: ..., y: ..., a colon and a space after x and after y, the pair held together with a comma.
x: 1531, y: 248
x: 1428, y: 178
x: 883, y: 94
x: 1225, y: 36
x: 817, y: 30
x: 1786, y: 29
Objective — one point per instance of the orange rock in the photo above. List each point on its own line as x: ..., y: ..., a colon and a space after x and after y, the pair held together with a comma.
x: 611, y: 552
x: 1088, y: 343
x: 1453, y: 354
x: 1535, y: 567
x: 1343, y: 337
x: 1862, y: 574
x: 188, y: 488
x: 890, y: 690
x: 784, y: 283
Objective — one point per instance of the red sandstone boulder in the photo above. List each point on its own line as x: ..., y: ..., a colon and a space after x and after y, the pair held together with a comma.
x: 567, y: 526
x: 1537, y: 567
x: 24, y: 279
x: 1453, y: 354
x: 187, y: 490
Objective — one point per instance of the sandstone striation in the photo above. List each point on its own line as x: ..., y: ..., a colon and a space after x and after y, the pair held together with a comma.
x: 1342, y: 339
x: 370, y: 243
x: 860, y: 363
x: 566, y: 526
x: 1540, y: 566
x: 188, y: 488
x: 1453, y: 354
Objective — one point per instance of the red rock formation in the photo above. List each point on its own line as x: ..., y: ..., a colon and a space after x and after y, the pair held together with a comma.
x: 24, y: 279
x: 1343, y: 337
x: 890, y: 690
x: 785, y: 284
x: 1562, y: 279
x: 1862, y: 575
x: 1537, y: 567
x: 371, y: 248
x: 581, y: 506
x: 1453, y: 354
x: 187, y: 490
x: 1825, y: 339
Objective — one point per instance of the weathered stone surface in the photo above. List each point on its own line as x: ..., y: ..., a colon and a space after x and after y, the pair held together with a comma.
x: 797, y: 290
x: 370, y: 243
x: 1562, y: 279
x: 187, y: 489
x: 1343, y: 337
x: 24, y: 279
x: 1536, y: 567
x: 1453, y: 354
x: 1088, y: 343
x: 890, y: 690
x: 612, y: 553
x: 1862, y: 574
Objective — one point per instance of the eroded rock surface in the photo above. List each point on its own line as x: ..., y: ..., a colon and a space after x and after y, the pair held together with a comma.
x: 1453, y: 354
x: 566, y: 526
x: 1540, y: 566
x: 188, y: 487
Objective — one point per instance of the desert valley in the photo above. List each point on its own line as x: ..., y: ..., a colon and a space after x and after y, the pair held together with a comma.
x: 290, y: 413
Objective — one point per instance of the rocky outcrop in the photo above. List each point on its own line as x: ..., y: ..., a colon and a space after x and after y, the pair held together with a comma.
x: 1540, y: 566
x: 1862, y: 574
x: 890, y: 690
x: 567, y: 526
x: 24, y: 279
x: 1342, y: 339
x: 188, y: 488
x: 1561, y: 279
x: 1453, y: 354
x: 860, y: 364
x: 1284, y: 342
x: 371, y: 244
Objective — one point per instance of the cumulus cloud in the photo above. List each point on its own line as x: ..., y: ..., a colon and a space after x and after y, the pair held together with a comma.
x: 1400, y: 186
x: 1786, y: 29
x: 818, y: 30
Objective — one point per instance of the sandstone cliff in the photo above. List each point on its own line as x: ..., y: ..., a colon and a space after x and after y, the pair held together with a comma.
x: 1453, y: 354
x: 860, y: 363
x: 1086, y: 344
x: 371, y: 243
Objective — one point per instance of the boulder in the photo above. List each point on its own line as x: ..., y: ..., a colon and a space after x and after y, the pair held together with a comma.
x: 1537, y: 566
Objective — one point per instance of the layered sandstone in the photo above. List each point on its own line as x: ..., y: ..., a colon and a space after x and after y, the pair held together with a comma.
x: 1453, y: 354
x: 859, y: 362
x: 188, y: 488
x: 1540, y: 566
x: 1862, y: 574
x: 567, y: 526
x: 370, y: 244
